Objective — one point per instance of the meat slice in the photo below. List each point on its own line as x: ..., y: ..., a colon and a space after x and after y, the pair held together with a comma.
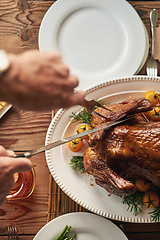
x: 118, y: 111
x: 96, y: 165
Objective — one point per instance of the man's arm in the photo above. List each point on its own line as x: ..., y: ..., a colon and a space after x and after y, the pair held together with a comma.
x: 39, y: 81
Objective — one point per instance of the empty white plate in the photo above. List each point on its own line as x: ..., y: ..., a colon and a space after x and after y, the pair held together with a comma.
x: 99, y: 40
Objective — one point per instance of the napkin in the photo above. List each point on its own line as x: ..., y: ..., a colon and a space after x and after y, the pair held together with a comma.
x: 157, y: 43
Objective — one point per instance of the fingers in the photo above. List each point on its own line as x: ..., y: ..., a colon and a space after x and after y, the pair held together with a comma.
x: 75, y: 98
x: 10, y: 153
x: 63, y: 69
x: 14, y: 164
x: 69, y: 83
x: 73, y: 81
x: 18, y: 164
x: 3, y: 151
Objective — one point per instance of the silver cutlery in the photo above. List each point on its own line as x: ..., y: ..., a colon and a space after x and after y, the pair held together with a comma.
x: 12, y: 233
x: 90, y: 106
x: 152, y: 64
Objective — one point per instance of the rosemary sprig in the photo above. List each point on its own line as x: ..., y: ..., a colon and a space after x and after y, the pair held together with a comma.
x: 77, y: 163
x: 133, y: 201
x: 155, y: 215
x: 83, y: 117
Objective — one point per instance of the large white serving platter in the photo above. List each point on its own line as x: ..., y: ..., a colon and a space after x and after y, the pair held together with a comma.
x: 81, y: 187
x: 87, y: 226
x: 99, y: 40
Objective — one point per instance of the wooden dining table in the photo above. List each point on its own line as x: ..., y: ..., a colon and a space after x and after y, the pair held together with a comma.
x: 23, y: 130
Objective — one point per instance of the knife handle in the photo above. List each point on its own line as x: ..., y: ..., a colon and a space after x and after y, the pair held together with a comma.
x: 26, y: 155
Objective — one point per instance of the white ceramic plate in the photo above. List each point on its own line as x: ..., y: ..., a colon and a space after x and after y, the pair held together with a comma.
x: 86, y: 225
x: 146, y: 52
x: 81, y: 187
x: 99, y: 40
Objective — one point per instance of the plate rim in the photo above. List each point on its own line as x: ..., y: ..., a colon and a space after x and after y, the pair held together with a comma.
x: 86, y: 76
x: 77, y: 214
x: 51, y: 128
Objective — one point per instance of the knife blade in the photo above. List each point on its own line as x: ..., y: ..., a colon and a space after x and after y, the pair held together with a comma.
x: 68, y: 139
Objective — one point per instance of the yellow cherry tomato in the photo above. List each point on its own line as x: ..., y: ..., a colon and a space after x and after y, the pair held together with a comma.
x: 83, y: 128
x: 153, y: 97
x: 76, y: 145
x: 142, y: 185
x: 154, y: 114
x: 150, y: 199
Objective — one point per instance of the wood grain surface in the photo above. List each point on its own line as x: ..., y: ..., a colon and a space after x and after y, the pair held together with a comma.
x: 22, y: 131
x: 19, y: 23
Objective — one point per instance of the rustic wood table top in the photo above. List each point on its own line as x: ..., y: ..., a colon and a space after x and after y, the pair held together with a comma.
x: 23, y: 131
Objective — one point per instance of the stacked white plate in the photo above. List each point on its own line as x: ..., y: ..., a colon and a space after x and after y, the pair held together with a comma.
x: 87, y: 226
x: 99, y: 40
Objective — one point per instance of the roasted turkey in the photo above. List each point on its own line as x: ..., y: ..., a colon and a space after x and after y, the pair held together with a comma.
x: 124, y: 152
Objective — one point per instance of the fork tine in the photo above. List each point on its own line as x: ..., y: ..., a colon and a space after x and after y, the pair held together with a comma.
x: 16, y: 233
x: 9, y: 233
x: 90, y: 106
x: 152, y: 67
x: 12, y: 233
x: 100, y: 105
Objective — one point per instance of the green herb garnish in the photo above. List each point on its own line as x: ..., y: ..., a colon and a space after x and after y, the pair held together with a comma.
x: 157, y: 113
x: 157, y: 97
x: 83, y: 117
x: 133, y: 201
x: 155, y: 215
x: 62, y: 235
x: 77, y: 163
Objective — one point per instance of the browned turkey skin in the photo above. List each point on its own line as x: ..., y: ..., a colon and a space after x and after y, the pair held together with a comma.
x: 118, y: 111
x: 126, y: 151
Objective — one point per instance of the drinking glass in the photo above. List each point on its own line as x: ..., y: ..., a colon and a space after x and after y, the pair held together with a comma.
x: 24, y: 185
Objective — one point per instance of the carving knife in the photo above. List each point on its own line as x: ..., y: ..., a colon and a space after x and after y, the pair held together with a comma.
x: 71, y: 138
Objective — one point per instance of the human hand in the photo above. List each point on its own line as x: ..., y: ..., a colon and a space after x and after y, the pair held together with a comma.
x: 39, y: 81
x: 8, y: 166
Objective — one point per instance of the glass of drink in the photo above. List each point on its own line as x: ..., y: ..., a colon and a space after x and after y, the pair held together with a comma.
x: 24, y: 185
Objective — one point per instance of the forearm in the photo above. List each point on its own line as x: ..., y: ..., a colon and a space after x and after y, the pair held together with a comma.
x: 7, y: 78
